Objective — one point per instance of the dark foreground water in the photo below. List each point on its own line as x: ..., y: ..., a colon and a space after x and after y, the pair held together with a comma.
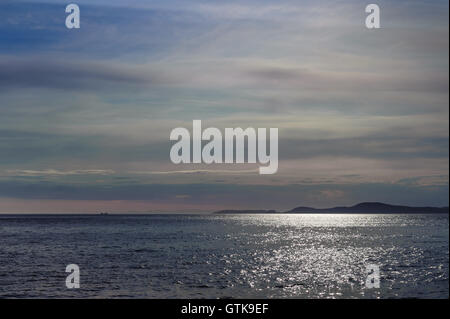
x: 230, y: 256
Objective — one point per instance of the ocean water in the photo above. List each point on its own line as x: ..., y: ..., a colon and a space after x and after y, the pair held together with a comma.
x: 224, y: 256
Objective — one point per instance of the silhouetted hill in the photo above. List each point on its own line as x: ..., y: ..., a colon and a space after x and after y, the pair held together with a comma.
x: 373, y: 208
x: 361, y: 208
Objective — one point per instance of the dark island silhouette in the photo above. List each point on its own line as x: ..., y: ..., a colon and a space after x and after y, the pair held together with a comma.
x: 361, y: 208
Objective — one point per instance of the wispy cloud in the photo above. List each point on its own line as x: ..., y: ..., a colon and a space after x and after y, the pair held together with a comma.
x: 35, y: 72
x: 199, y: 171
x: 51, y: 172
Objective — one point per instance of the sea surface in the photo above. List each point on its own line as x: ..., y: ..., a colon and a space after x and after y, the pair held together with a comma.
x: 224, y: 256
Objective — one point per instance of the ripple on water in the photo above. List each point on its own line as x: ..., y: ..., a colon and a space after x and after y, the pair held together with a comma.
x: 233, y: 256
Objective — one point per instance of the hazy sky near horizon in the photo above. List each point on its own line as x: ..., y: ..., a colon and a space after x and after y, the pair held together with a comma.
x: 85, y: 115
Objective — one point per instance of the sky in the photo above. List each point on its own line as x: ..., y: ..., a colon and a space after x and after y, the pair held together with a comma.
x: 86, y: 114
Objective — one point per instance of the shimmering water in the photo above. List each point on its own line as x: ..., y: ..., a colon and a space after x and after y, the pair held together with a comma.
x: 229, y: 256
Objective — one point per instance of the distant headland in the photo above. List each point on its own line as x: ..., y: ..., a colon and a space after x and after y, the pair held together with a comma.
x: 361, y: 208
